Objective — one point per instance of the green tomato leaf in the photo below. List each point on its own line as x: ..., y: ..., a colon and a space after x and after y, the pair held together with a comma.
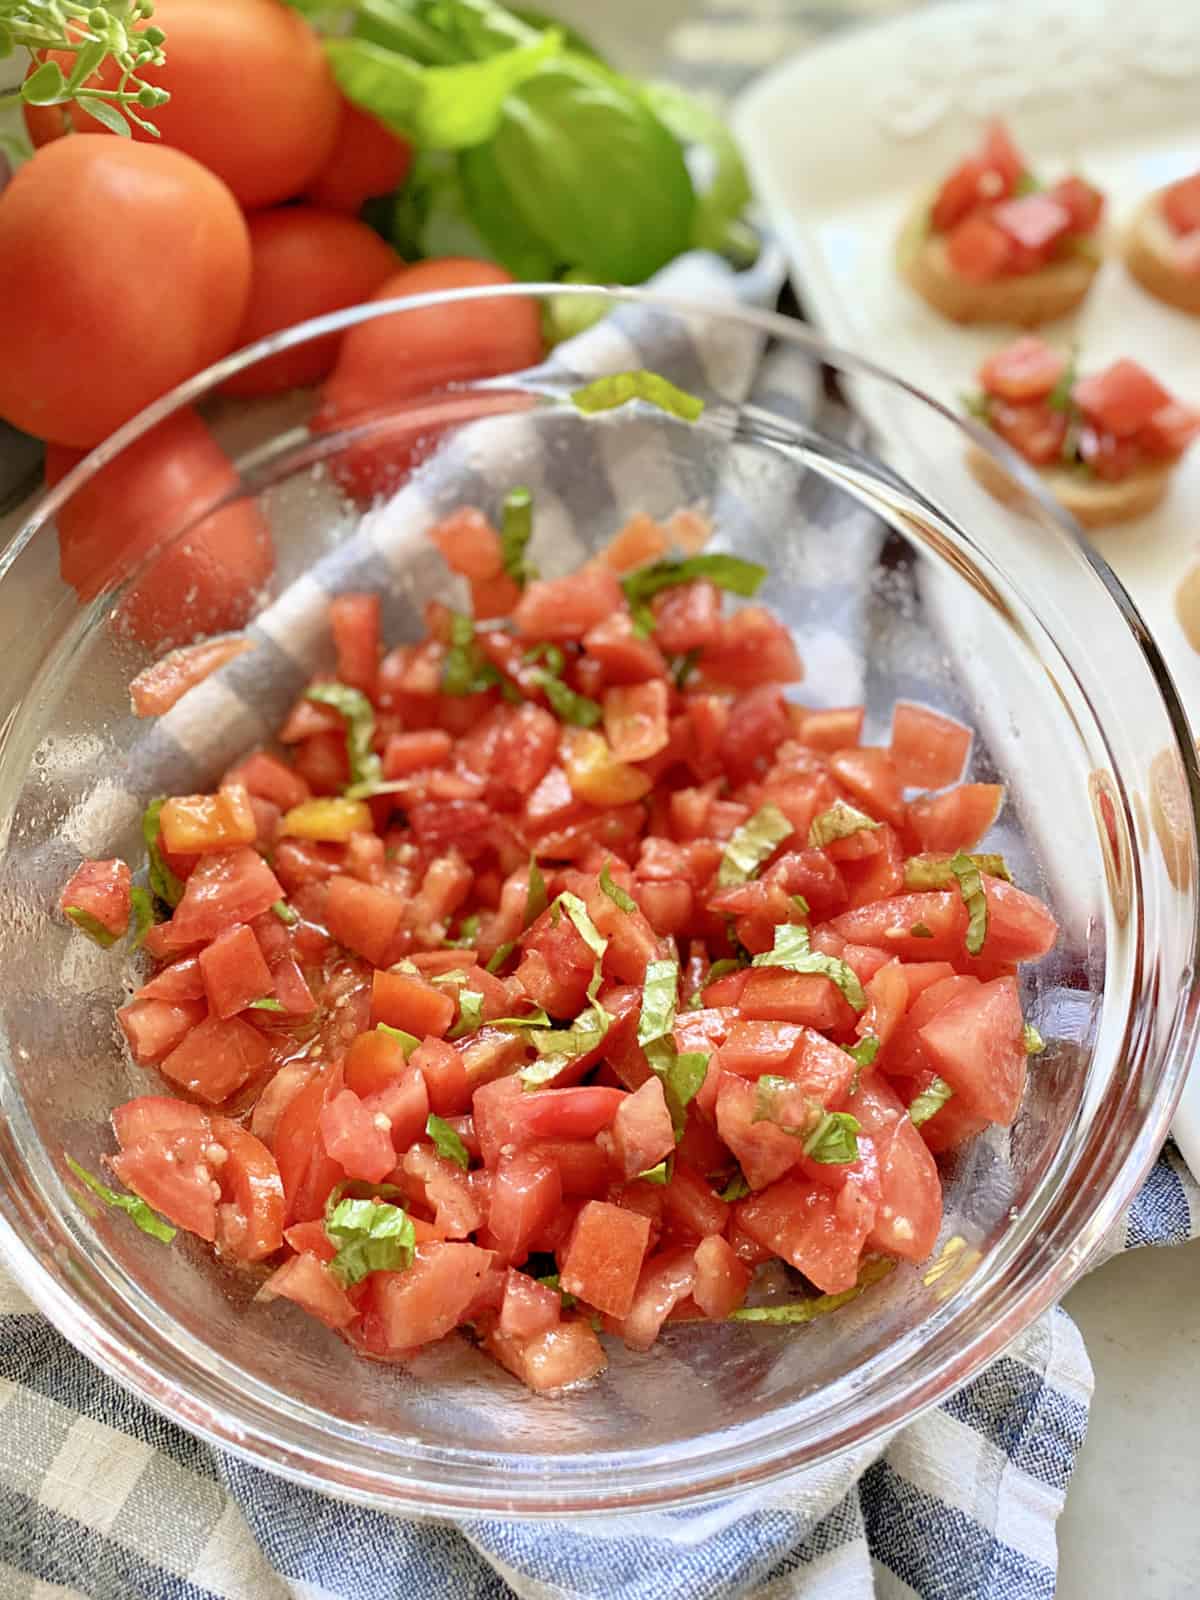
x: 593, y: 172
x: 446, y: 1142
x: 359, y: 716
x: 146, y: 1219
x: 971, y: 885
x: 619, y: 388
x: 930, y: 1101
x: 439, y: 107
x: 753, y: 843
x: 614, y: 891
x: 728, y: 572
x: 371, y: 1236
x: 839, y: 822
x: 163, y: 881
x: 792, y: 950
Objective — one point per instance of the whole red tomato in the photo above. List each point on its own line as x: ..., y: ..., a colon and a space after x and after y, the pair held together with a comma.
x: 124, y: 268
x: 367, y: 160
x: 252, y: 96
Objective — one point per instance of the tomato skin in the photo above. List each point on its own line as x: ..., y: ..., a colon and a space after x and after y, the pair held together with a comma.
x: 270, y: 779
x: 307, y: 1171
x: 874, y: 781
x: 354, y: 1140
x: 153, y: 1114
x: 364, y: 918
x: 977, y: 249
x: 721, y: 1278
x: 956, y: 820
x: 1027, y: 369
x: 102, y: 890
x: 529, y: 1307
x: 367, y: 160
x: 820, y: 1232
x: 411, y: 1004
x: 77, y: 225
x: 1121, y: 399
x: 163, y: 484
x: 664, y: 1280
x: 250, y: 1217
x: 171, y: 1173
x: 266, y: 144
x: 977, y: 1044
x: 304, y: 263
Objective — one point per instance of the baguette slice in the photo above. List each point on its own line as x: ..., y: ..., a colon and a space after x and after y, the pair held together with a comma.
x: 1150, y: 255
x: 1026, y: 299
x: 1091, y: 501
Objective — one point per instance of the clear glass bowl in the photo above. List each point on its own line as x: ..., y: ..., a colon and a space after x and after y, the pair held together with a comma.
x: 901, y: 577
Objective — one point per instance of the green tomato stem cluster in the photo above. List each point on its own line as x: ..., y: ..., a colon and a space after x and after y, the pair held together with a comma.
x: 91, y: 34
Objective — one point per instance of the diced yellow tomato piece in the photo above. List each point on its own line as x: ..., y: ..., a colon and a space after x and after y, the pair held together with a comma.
x: 192, y: 824
x: 594, y: 773
x: 329, y: 820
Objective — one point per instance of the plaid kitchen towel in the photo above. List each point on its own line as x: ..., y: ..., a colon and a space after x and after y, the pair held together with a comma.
x: 100, y: 1497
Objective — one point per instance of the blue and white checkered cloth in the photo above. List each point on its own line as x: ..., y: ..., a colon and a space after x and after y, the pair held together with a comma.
x: 102, y: 1498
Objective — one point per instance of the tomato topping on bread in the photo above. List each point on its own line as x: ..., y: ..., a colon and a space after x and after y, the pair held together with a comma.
x: 1162, y: 247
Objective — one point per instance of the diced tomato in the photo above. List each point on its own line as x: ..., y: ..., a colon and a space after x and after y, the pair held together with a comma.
x: 181, y: 980
x: 956, y: 820
x: 635, y: 725
x: 929, y: 749
x: 1036, y: 222
x: 1169, y: 431
x: 1000, y: 155
x: 764, y: 1151
x: 1020, y: 927
x: 818, y: 1230
x: 363, y: 917
x: 642, y: 1133
x: 557, y: 1359
x: 250, y: 1216
x: 234, y: 972
x: 603, y: 1258
x: 194, y: 824
x: 306, y: 1280
x: 171, y: 1172
x: 888, y: 925
x: 909, y: 1215
x: 154, y: 1028
x: 977, y: 1044
x: 153, y: 1114
x: 408, y: 1002
x: 226, y: 887
x: 1121, y: 399
x: 595, y: 773
x: 665, y: 1279
x: 772, y: 994
x: 216, y: 1058
x: 626, y: 657
x: 307, y: 1171
x: 873, y: 780
x: 1181, y: 204
x: 355, y: 1138
x: 165, y: 682
x: 754, y: 1048
x: 567, y: 608
x: 563, y: 1113
x: 959, y: 194
x: 721, y: 1278
x: 459, y: 1206
x: 375, y: 1060
x: 906, y: 1054
x: 887, y: 997
x: 758, y: 724
x: 687, y: 617
x: 752, y: 647
x: 529, y: 1308
x: 953, y: 1125
x: 430, y: 1297
x: 354, y: 620
x: 582, y: 1165
x: 839, y: 729
x: 311, y: 1236
x: 1083, y: 202
x: 468, y: 543
x: 101, y: 890
x: 270, y: 779
x: 1028, y: 369
x: 527, y: 1190
x: 978, y: 250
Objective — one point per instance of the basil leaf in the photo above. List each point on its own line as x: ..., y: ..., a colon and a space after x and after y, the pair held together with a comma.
x: 717, y: 223
x: 142, y: 907
x: 834, y: 1140
x: 929, y: 1101
x: 792, y: 950
x: 1027, y: 183
x: 92, y: 926
x: 683, y: 666
x: 614, y: 891
x: 566, y: 705
x: 359, y: 716
x: 584, y: 926
x: 446, y: 1142
x: 619, y: 388
x: 863, y: 1055
x: 1034, y: 1043
x: 268, y: 1003
x: 480, y: 194
x: 753, y: 843
x: 468, y: 932
x: 466, y: 670
x: 593, y: 172
x: 659, y: 1174
x: 932, y: 872
x: 536, y: 898
x: 797, y: 1311
x: 736, y: 1189
x: 285, y: 913
x: 439, y: 107
x: 145, y: 1218
x: 408, y: 1042
x: 372, y: 1236
x: 971, y: 885
x: 727, y: 572
x: 839, y: 822
x: 978, y: 406
x: 516, y: 530
x: 1059, y: 398
x: 163, y: 881
x: 500, y: 955
x: 660, y: 993
x: 552, y: 1281
x: 536, y: 1018
x: 470, y: 1012
x: 681, y: 1075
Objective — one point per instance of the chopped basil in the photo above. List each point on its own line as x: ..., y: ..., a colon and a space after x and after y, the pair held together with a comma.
x: 643, y: 620
x: 536, y: 1018
x: 929, y: 1101
x: 501, y: 955
x: 1059, y: 398
x: 839, y: 822
x: 142, y: 1215
x: 801, y: 904
x: 795, y: 1311
x: 736, y: 1189
x: 934, y: 872
x: 268, y: 1003
x: 142, y: 907
x: 92, y: 926
x: 163, y: 881
x: 359, y: 716
x: 683, y: 666
x: 285, y: 913
x: 536, y: 898
x: 551, y: 1280
x: 978, y: 406
x: 720, y: 969
x: 516, y: 530
x: 753, y: 843
x: 971, y: 885
x: 659, y: 1174
x: 558, y: 1046
x: 408, y: 1042
x: 834, y: 1140
x: 466, y: 670
x: 446, y: 1142
x: 606, y: 394
x: 614, y: 891
x: 371, y: 1236
x: 863, y: 1055
x: 567, y: 706
x: 468, y: 932
x: 793, y: 951
x: 768, y: 1091
x: 1027, y: 183
x: 584, y: 926
x: 921, y: 930
x: 1034, y: 1043
x: 470, y: 1013
x: 681, y: 1074
x: 727, y: 572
